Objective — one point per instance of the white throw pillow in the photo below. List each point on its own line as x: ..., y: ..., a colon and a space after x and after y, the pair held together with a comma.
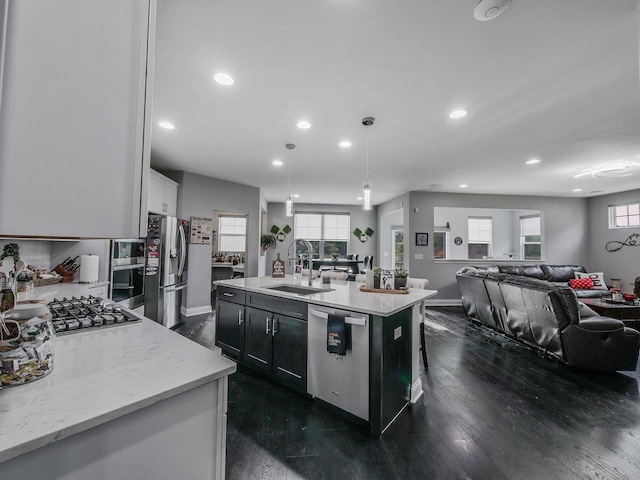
x: 598, y: 279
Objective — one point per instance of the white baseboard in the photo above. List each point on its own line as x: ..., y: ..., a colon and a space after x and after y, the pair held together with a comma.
x: 416, y: 391
x: 190, y: 312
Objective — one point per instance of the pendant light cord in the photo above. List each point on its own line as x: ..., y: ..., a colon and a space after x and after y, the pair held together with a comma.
x: 367, y: 153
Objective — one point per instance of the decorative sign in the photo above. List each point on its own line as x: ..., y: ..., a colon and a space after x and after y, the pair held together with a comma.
x: 201, y: 230
x: 280, y: 234
x: 386, y: 280
x: 278, y: 268
x: 631, y: 241
x: 458, y: 241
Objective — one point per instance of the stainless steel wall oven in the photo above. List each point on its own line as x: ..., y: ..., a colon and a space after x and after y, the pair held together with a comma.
x: 126, y: 272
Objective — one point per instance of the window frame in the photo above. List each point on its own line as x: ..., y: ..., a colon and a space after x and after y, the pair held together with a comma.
x: 445, y: 243
x: 612, y: 216
x: 475, y: 242
x: 221, y: 234
x: 524, y: 242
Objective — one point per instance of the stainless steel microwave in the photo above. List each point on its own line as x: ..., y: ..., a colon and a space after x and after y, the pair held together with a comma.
x: 126, y: 272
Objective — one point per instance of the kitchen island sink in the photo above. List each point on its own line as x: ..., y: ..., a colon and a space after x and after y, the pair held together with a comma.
x: 299, y: 289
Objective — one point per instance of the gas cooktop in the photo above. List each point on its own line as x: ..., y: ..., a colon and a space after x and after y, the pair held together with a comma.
x: 87, y: 313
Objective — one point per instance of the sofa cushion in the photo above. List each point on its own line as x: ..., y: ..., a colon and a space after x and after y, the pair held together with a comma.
x: 581, y: 283
x: 531, y: 271
x: 598, y: 279
x: 561, y: 273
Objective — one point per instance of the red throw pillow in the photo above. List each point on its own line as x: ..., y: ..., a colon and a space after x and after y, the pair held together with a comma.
x: 581, y: 283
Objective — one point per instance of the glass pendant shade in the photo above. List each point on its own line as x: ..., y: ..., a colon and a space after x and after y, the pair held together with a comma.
x: 289, y: 206
x: 368, y: 205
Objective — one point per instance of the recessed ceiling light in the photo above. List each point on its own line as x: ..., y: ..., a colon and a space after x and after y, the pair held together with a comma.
x: 296, y: 195
x: 223, y: 78
x: 304, y: 124
x: 277, y: 163
x: 436, y: 185
x: 345, y: 143
x: 458, y: 114
x: 576, y: 190
x: 464, y: 186
x: 359, y: 198
x: 533, y: 161
x: 167, y: 125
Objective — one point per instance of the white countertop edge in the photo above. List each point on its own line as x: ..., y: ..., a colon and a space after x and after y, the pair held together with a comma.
x: 220, y: 367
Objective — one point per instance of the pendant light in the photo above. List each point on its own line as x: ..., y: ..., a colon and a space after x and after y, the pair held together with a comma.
x: 289, y: 200
x: 368, y: 202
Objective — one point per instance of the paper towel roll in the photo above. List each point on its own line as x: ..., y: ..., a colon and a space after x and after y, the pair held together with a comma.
x: 89, y: 266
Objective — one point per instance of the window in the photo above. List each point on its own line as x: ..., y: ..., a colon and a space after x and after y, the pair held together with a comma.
x: 327, y: 232
x: 232, y: 235
x: 530, y: 245
x: 397, y: 238
x: 479, y: 237
x: 624, y: 216
x: 440, y: 242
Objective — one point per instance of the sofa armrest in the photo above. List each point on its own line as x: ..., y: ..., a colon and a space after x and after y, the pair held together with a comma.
x: 600, y: 324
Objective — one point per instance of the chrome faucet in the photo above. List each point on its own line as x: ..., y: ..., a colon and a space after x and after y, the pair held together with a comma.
x: 302, y: 258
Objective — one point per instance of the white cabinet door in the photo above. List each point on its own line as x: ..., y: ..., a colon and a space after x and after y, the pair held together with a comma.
x: 73, y: 101
x: 171, y: 198
x: 156, y: 193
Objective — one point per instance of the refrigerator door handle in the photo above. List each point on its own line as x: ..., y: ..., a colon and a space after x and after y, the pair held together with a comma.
x: 183, y: 250
x: 171, y: 288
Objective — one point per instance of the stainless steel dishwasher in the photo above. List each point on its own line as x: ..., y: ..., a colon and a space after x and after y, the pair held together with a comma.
x: 340, y: 380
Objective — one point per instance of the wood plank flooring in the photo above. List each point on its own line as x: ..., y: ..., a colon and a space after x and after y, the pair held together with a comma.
x: 491, y: 409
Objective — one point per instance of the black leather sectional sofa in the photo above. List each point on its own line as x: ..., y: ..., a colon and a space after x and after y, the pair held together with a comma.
x: 547, y: 315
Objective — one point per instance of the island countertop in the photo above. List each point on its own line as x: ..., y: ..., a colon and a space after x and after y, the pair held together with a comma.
x: 100, y: 375
x: 339, y: 294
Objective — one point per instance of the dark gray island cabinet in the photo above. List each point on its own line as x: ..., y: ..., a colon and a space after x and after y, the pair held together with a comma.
x: 283, y: 335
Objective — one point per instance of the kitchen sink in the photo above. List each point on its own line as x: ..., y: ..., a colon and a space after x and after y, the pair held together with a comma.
x: 298, y: 289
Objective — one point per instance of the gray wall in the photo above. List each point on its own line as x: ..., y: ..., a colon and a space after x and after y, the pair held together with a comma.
x: 358, y: 218
x: 565, y: 228
x: 623, y: 264
x: 199, y: 196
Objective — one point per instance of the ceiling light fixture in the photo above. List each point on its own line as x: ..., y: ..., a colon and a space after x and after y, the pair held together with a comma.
x: 458, y: 114
x: 289, y: 200
x: 576, y: 190
x: 463, y: 185
x: 533, y: 161
x: 304, y: 124
x: 277, y: 163
x: 223, y: 79
x: 345, y: 143
x: 489, y: 9
x: 167, y: 125
x: 612, y: 170
x: 366, y: 187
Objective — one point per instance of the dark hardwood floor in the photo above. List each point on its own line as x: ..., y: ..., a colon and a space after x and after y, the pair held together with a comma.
x: 491, y: 409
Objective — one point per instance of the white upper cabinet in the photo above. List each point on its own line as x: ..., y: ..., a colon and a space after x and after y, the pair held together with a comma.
x: 73, y: 141
x: 163, y: 194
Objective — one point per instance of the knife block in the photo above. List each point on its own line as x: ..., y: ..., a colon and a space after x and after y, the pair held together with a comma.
x: 67, y: 276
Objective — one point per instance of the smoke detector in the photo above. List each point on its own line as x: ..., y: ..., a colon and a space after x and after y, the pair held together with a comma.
x: 490, y: 9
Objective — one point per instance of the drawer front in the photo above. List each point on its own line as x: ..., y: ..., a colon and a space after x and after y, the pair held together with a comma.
x: 284, y: 306
x: 230, y: 294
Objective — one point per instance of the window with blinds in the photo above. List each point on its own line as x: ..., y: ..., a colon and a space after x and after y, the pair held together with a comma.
x: 530, y: 238
x: 232, y: 234
x: 327, y: 232
x: 480, y: 237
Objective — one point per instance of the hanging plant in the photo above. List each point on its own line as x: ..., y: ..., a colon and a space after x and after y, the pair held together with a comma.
x: 267, y: 241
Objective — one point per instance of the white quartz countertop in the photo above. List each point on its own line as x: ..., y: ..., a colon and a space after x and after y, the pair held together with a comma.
x: 60, y: 290
x: 100, y: 375
x: 343, y: 295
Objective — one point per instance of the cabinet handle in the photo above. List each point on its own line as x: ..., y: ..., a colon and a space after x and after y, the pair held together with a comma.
x: 274, y: 330
x: 240, y: 317
x: 228, y: 294
x: 267, y: 325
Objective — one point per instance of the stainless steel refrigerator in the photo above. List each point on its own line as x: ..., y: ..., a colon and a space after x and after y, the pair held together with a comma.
x: 165, y: 270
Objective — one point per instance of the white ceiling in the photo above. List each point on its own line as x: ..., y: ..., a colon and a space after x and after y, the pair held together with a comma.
x: 553, y: 79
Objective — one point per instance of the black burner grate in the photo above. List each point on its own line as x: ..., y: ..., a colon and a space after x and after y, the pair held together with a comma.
x: 87, y: 313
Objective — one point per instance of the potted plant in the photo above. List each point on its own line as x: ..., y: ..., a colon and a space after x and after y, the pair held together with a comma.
x: 376, y: 277
x: 400, y: 278
x: 267, y: 241
x: 11, y: 250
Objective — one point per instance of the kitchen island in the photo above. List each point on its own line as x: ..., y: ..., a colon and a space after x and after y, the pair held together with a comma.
x: 279, y: 327
x: 132, y: 401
